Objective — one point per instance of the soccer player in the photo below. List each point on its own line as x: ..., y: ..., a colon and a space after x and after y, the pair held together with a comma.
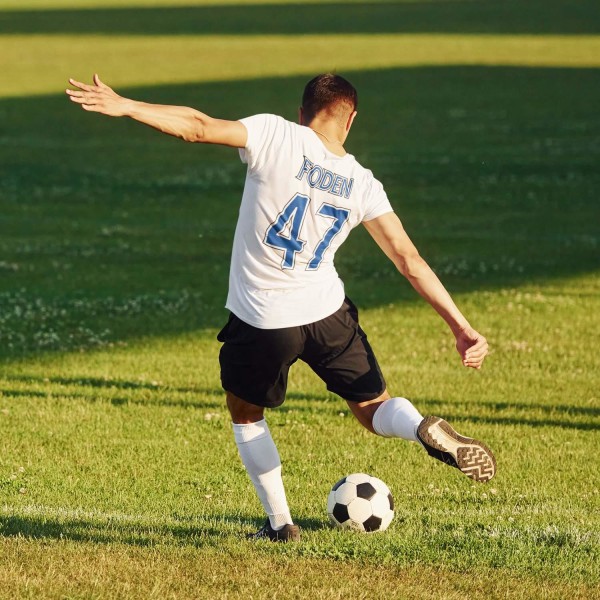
x: 302, y: 196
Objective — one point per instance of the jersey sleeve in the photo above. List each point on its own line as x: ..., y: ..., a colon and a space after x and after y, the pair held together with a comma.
x: 263, y: 131
x: 377, y: 201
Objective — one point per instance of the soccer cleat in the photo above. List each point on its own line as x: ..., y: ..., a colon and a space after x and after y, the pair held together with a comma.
x: 470, y: 456
x: 288, y: 533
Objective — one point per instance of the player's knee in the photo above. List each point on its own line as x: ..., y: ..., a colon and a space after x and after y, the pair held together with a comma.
x: 243, y: 412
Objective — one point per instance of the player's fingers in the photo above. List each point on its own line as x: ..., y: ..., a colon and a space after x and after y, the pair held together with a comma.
x: 473, y: 364
x: 86, y: 99
x: 90, y: 107
x: 82, y: 86
x: 75, y: 93
x: 90, y: 97
x: 476, y: 353
x: 473, y: 361
x: 478, y: 343
x: 477, y: 350
x: 99, y: 82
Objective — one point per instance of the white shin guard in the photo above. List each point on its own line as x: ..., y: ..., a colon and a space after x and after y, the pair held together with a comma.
x: 397, y: 417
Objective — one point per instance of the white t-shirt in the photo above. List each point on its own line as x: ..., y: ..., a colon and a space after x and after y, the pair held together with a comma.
x: 299, y: 204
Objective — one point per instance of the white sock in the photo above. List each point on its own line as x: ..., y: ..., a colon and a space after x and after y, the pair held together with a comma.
x: 397, y: 417
x: 261, y: 459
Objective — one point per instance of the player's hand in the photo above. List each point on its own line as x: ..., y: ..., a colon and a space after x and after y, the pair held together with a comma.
x: 472, y: 347
x: 98, y: 98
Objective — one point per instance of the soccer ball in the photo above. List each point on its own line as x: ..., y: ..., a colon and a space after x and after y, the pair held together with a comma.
x: 360, y: 502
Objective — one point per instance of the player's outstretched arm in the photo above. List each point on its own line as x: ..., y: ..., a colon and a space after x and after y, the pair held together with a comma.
x: 389, y: 234
x: 180, y: 121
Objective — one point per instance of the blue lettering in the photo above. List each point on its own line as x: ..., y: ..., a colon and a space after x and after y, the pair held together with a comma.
x: 347, y: 187
x: 313, y: 181
x: 305, y: 168
x: 336, y: 187
x: 327, y: 180
x: 323, y: 179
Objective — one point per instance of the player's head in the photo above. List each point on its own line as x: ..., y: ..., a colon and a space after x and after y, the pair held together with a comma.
x: 329, y: 96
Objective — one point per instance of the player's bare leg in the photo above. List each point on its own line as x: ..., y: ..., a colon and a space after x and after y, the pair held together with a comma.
x: 364, y: 411
x: 397, y: 417
x: 242, y: 412
x: 261, y: 459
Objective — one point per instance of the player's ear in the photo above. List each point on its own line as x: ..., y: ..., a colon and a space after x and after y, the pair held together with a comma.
x: 350, y: 120
x: 301, y: 115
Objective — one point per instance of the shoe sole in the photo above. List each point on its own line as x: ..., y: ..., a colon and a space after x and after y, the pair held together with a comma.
x: 472, y: 457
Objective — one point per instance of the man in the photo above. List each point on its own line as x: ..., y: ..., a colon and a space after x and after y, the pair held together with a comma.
x: 303, y: 194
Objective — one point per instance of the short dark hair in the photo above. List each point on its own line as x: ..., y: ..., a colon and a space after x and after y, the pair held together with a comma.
x: 328, y: 92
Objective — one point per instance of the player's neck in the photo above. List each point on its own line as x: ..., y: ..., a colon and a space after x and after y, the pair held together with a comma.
x: 330, y: 136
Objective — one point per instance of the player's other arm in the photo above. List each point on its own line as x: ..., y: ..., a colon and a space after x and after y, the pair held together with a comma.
x: 389, y: 234
x: 180, y: 121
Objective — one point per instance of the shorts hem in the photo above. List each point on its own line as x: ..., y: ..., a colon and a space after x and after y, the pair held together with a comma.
x: 245, y: 398
x: 360, y: 397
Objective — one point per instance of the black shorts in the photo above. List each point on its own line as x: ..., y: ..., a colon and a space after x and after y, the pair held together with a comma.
x: 255, y: 362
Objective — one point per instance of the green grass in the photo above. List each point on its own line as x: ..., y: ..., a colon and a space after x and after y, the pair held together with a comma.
x: 119, y: 476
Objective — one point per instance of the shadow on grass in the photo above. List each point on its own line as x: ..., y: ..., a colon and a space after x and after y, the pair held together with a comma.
x: 558, y: 418
x: 161, y: 395
x: 591, y: 411
x: 110, y: 231
x: 107, y: 532
x: 163, y: 400
x: 535, y: 423
x: 456, y: 16
x: 116, y: 530
x: 558, y: 415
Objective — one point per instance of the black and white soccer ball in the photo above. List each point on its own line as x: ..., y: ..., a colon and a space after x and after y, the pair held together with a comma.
x: 360, y: 502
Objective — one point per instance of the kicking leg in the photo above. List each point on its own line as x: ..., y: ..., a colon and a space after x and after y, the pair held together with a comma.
x: 340, y: 354
x: 261, y: 459
x: 397, y: 417
x: 388, y: 417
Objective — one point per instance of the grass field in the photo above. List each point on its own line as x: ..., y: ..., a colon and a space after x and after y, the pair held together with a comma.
x: 119, y: 477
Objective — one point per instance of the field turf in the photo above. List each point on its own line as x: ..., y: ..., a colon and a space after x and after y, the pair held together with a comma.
x: 119, y: 477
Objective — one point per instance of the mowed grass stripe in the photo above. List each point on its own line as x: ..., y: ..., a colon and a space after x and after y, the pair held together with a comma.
x: 29, y: 570
x: 35, y: 5
x: 144, y: 60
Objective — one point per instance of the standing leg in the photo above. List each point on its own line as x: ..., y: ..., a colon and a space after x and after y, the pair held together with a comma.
x: 397, y: 417
x: 261, y: 459
x: 254, y: 371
